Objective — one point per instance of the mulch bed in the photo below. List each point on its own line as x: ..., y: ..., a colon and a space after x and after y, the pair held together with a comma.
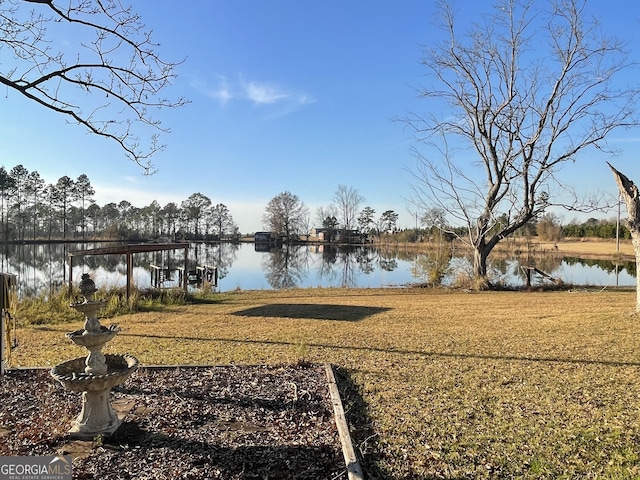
x: 231, y: 422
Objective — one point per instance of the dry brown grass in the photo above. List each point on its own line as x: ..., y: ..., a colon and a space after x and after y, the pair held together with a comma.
x: 579, y: 247
x: 589, y: 247
x: 448, y: 384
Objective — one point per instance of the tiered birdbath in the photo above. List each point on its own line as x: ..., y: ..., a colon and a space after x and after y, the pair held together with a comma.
x: 95, y: 374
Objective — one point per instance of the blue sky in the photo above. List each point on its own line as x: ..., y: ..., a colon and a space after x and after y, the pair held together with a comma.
x: 285, y: 95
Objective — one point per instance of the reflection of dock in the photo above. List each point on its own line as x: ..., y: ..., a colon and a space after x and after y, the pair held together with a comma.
x: 128, y: 250
x: 160, y: 275
x: 200, y: 275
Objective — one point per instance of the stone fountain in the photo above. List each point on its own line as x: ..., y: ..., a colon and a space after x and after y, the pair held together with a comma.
x: 96, y: 374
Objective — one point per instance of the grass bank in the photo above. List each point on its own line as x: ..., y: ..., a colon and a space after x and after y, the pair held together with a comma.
x: 437, y: 384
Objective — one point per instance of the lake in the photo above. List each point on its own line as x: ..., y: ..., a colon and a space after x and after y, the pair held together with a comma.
x: 247, y: 266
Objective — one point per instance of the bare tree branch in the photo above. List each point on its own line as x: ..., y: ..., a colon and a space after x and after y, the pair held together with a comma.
x: 515, y: 113
x: 119, y: 68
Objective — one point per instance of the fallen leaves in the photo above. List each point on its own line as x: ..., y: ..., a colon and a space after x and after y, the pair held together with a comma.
x: 202, y: 422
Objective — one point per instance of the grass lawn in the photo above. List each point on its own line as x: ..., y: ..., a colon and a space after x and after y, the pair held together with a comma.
x: 436, y: 384
x: 588, y: 247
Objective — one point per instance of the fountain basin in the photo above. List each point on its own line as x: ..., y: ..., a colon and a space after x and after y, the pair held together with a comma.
x: 88, y: 306
x: 88, y: 339
x: 71, y: 374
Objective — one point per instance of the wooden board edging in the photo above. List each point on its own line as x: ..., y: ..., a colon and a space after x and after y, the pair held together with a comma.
x: 353, y: 466
x: 354, y: 471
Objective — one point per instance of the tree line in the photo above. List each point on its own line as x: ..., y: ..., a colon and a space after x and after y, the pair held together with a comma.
x: 591, y: 228
x: 286, y: 215
x: 31, y: 209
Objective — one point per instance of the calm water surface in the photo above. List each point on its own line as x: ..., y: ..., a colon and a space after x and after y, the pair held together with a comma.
x: 251, y: 267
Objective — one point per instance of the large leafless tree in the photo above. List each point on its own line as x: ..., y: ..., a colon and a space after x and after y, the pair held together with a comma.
x: 286, y: 215
x: 113, y: 58
x: 347, y: 201
x: 527, y: 89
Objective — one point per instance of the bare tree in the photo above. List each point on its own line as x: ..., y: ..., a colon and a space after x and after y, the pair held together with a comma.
x: 526, y: 91
x: 119, y: 67
x: 347, y: 201
x: 549, y: 227
x: 286, y: 215
x: 327, y: 216
x: 631, y: 195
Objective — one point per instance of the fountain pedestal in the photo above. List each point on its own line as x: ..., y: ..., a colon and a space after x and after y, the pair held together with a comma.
x: 96, y: 374
x: 97, y: 415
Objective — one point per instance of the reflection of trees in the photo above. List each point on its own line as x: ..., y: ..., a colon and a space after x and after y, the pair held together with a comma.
x: 504, y: 268
x: 545, y: 263
x: 348, y: 264
x: 285, y: 267
x: 328, y: 268
x: 333, y: 266
x: 431, y: 267
x: 406, y: 255
x: 39, y: 267
x: 606, y: 265
x: 387, y: 260
x: 42, y: 268
x: 366, y: 260
x: 340, y: 263
x: 548, y: 263
x: 221, y: 256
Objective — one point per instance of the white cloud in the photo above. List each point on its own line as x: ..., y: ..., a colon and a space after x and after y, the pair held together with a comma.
x: 221, y: 91
x: 258, y: 93
x: 264, y: 94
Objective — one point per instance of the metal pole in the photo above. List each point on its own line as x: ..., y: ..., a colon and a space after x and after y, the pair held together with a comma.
x: 186, y: 266
x: 129, y: 273
x: 70, y: 257
x: 618, y: 226
x: 3, y: 347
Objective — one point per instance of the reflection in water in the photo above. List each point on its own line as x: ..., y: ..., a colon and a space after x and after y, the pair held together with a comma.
x: 218, y: 255
x: 340, y: 263
x: 608, y: 266
x: 41, y: 269
x: 431, y: 268
x: 285, y: 267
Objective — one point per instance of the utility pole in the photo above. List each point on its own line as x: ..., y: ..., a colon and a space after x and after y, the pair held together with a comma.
x: 618, y: 224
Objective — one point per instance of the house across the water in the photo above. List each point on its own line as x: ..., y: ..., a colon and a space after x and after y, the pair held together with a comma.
x: 264, y: 237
